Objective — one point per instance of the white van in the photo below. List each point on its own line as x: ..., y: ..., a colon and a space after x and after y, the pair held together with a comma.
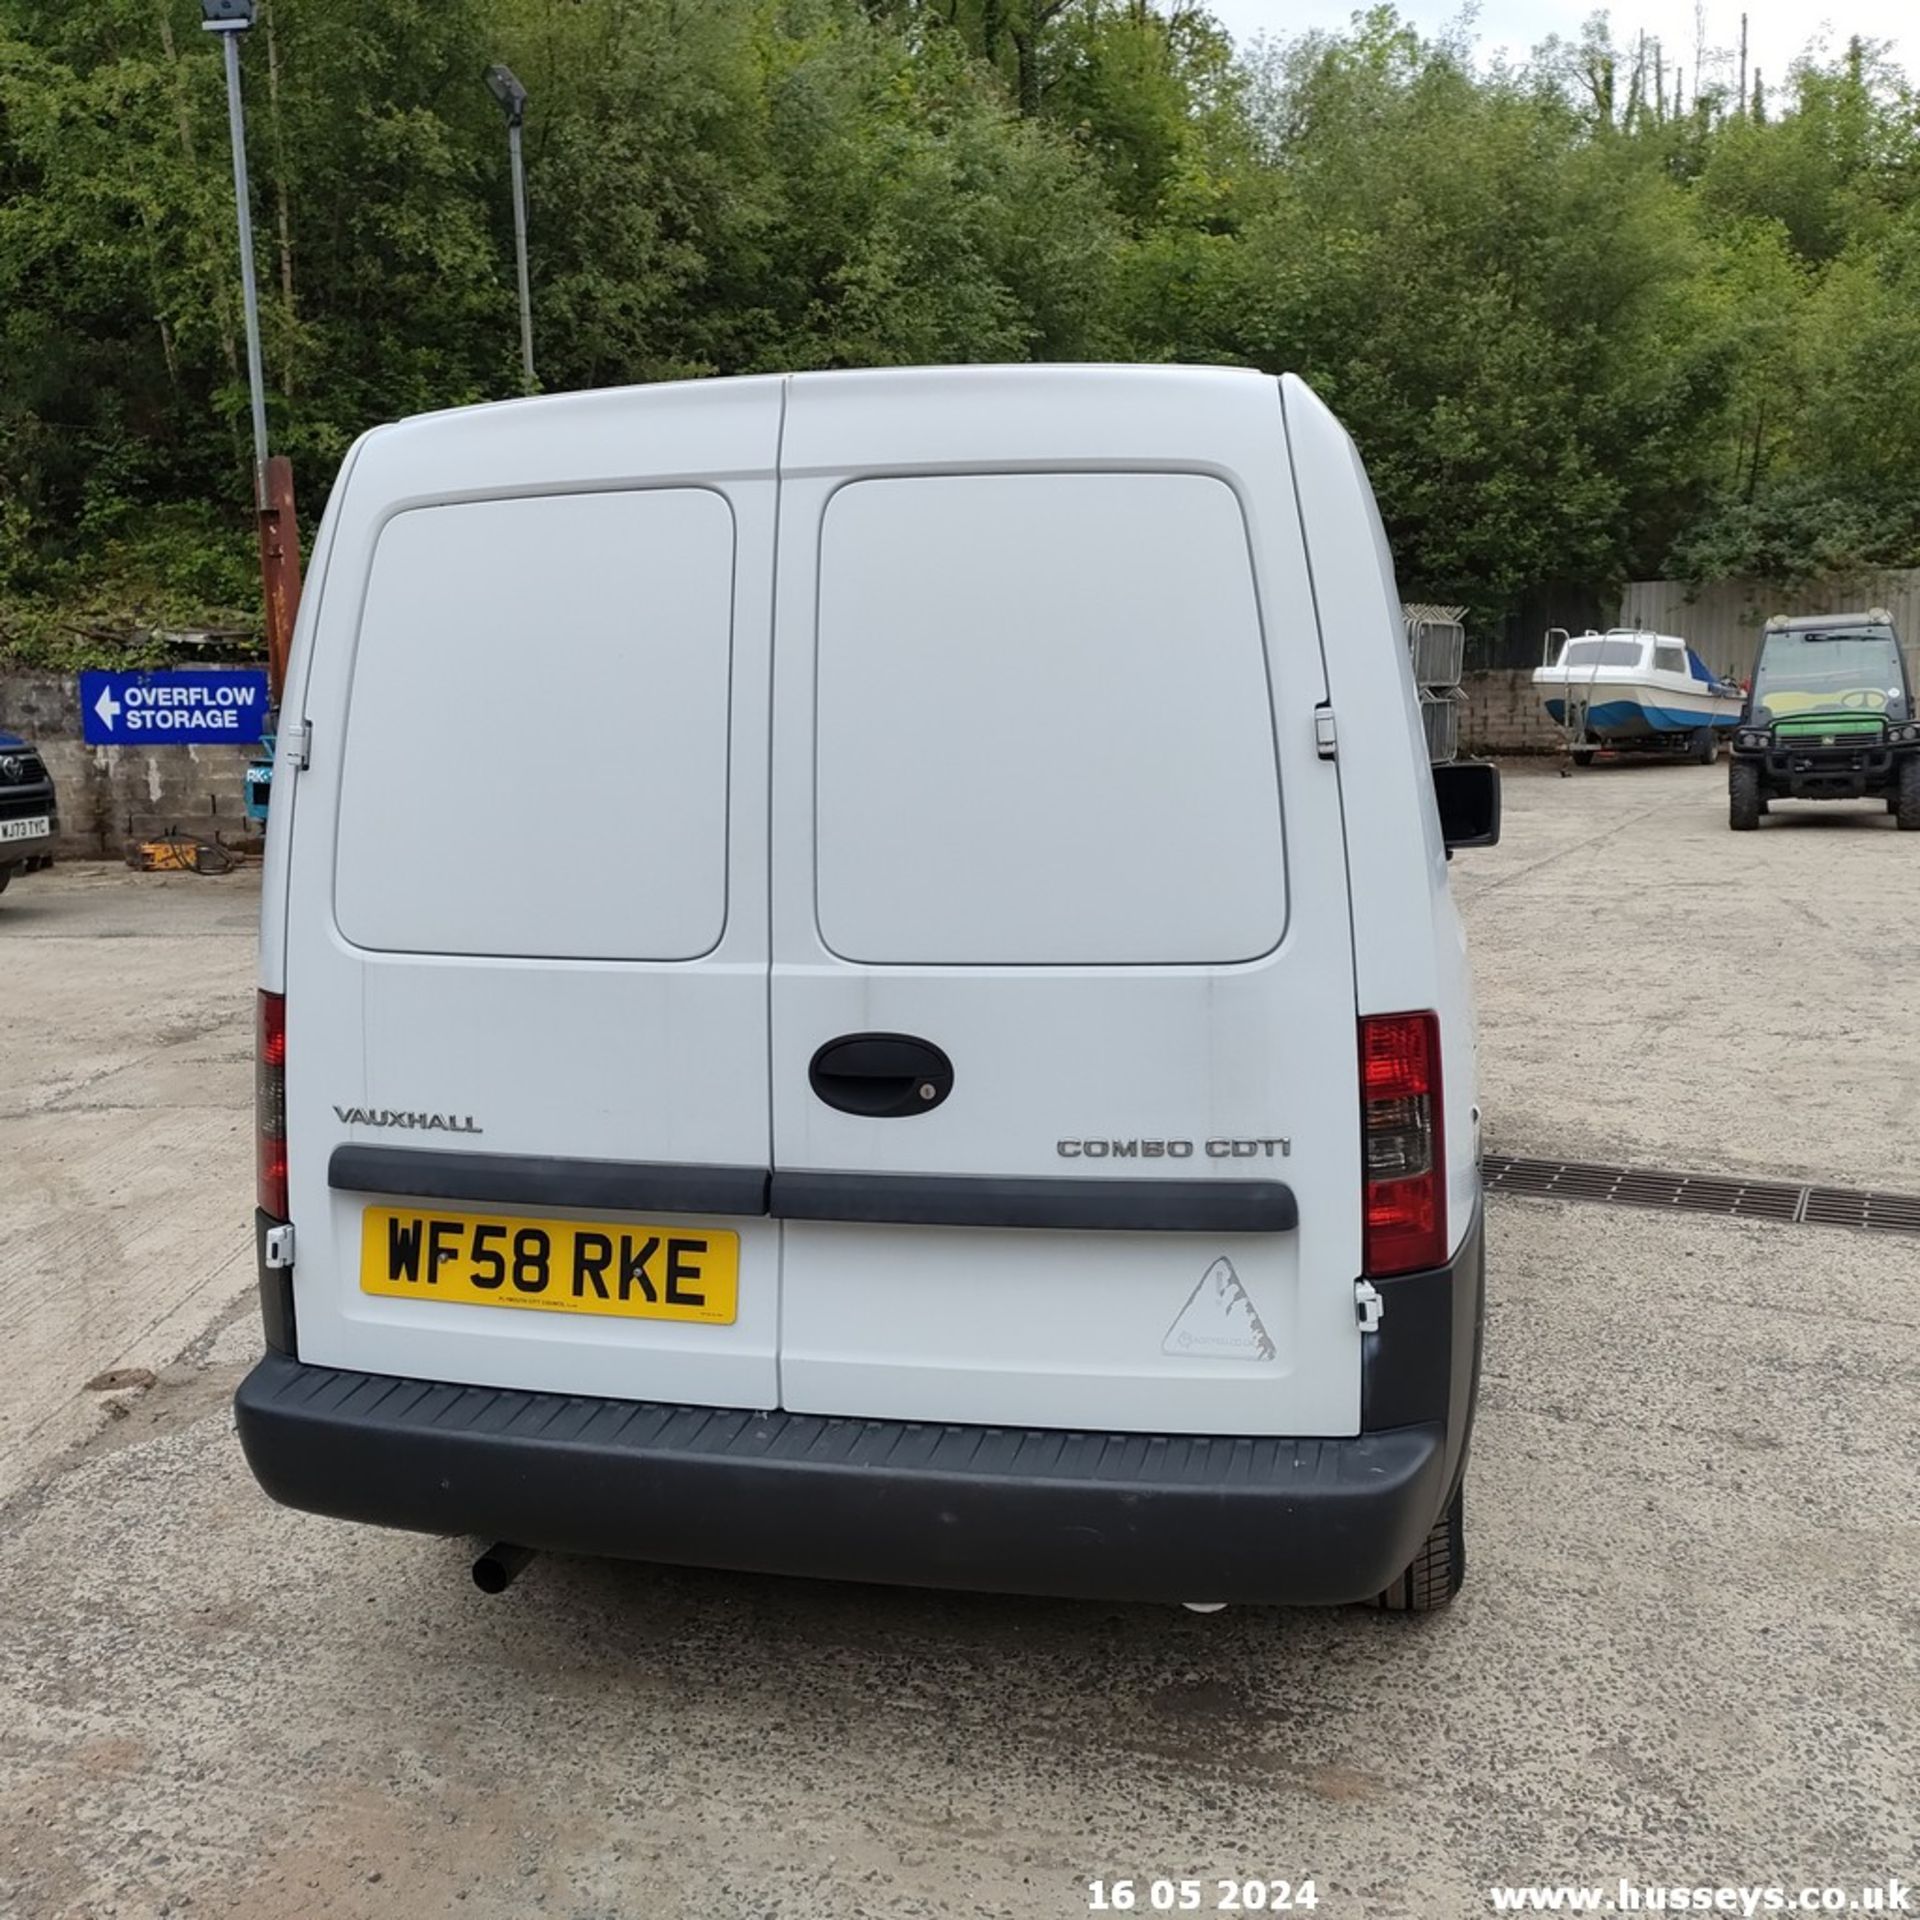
x: 858, y: 980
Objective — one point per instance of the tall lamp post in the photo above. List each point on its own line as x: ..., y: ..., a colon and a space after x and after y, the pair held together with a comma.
x: 272, y: 474
x: 512, y: 97
x: 230, y: 19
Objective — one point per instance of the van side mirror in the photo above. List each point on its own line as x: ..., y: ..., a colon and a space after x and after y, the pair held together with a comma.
x: 1468, y: 793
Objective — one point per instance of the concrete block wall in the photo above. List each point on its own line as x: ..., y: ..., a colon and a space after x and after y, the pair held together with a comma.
x: 1504, y: 715
x: 110, y: 796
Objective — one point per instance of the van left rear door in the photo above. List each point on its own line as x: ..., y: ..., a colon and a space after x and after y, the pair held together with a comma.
x: 526, y: 944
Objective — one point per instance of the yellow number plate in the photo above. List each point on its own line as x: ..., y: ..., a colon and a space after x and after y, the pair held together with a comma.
x: 565, y: 1266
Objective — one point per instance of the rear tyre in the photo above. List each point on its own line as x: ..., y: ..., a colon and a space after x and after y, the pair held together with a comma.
x: 1706, y: 746
x: 1743, y: 796
x: 6, y: 873
x: 1583, y: 756
x: 1438, y: 1568
x: 1906, y: 811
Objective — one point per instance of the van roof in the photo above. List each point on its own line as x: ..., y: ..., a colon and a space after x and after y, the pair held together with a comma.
x: 1066, y: 375
x: 899, y: 418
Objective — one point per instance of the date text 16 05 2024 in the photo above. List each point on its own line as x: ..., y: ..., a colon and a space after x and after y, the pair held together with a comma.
x: 1231, y: 1895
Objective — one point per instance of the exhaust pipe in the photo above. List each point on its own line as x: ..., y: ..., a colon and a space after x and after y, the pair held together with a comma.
x: 496, y: 1569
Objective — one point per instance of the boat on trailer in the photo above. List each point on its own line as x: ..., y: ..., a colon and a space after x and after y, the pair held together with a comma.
x: 1628, y: 690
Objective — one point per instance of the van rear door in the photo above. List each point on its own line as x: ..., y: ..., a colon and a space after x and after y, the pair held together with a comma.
x: 526, y: 947
x: 1048, y: 811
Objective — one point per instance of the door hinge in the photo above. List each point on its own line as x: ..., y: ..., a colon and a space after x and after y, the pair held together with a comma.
x: 1368, y: 1306
x: 279, y: 1247
x: 1326, y: 742
x: 298, y: 741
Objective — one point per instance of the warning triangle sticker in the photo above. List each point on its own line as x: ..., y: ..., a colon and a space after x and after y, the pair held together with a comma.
x: 1218, y: 1322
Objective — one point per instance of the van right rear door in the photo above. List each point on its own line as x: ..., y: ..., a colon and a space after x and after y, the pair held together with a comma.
x: 1048, y: 812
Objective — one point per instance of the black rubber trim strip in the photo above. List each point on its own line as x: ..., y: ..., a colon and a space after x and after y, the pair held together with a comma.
x: 966, y: 1200
x: 538, y: 1180
x: 1109, y: 1516
x: 889, y: 1199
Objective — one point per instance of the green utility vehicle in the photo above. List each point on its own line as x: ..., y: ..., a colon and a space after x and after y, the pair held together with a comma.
x: 1830, y: 715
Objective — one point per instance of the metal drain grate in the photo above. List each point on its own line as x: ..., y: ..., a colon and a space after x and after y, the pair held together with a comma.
x: 1877, y: 1212
x: 1726, y: 1195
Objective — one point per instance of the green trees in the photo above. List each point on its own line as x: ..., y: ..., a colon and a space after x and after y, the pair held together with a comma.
x: 1579, y: 330
x: 124, y: 451
x: 1815, y: 221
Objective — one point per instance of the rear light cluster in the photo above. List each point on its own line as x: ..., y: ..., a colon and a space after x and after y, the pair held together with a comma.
x: 1400, y: 1120
x: 270, y: 1105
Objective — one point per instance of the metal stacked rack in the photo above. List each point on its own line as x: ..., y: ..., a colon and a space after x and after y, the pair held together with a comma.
x: 1437, y: 642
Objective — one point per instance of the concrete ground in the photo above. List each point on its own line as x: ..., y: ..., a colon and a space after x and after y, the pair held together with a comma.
x: 1656, y: 988
x: 126, y: 1143
x: 1688, y: 1651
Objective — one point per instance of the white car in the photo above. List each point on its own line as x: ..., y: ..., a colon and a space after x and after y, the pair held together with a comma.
x: 918, y: 1032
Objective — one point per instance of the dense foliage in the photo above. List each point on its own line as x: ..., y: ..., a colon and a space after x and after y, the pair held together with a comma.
x: 1583, y: 328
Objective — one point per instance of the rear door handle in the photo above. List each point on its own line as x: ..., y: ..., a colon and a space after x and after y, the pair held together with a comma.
x: 881, y: 1075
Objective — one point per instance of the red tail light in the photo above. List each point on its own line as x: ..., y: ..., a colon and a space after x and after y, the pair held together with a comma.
x: 1403, y: 1143
x: 270, y: 1105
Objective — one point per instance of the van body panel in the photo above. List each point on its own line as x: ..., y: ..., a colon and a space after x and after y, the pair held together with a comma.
x: 989, y: 1326
x: 561, y: 1036
x: 1410, y: 949
x: 1122, y: 500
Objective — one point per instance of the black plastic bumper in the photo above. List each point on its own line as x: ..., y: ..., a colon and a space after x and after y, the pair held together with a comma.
x: 1109, y: 1516
x: 1089, y: 1515
x: 1827, y: 773
x: 29, y: 855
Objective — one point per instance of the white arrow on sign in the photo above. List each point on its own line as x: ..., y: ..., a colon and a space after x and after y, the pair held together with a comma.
x: 107, y: 707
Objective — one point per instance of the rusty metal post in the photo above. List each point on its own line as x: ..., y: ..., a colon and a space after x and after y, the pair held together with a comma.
x: 279, y: 565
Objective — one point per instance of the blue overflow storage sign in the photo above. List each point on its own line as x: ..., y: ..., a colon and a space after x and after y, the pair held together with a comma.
x: 174, y: 707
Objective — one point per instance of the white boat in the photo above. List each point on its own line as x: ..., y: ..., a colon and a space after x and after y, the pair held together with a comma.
x: 1626, y: 688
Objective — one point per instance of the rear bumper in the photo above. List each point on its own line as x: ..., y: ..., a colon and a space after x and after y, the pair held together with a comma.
x: 1106, y: 1516
x: 1085, y: 1515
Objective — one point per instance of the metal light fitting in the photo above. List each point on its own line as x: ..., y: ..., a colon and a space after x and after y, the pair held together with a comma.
x: 226, y: 16
x: 504, y: 87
